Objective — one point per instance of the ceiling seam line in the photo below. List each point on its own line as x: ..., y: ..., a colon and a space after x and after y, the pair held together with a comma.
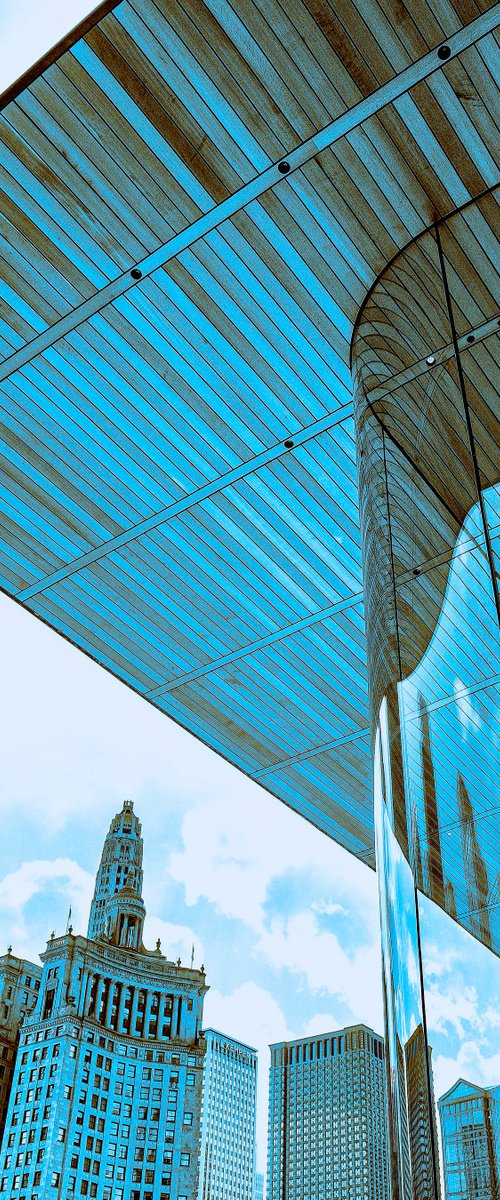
x: 287, y: 631
x: 207, y: 491
x: 270, y: 639
x: 346, y: 123
x: 480, y: 333
x: 322, y: 748
x: 455, y: 697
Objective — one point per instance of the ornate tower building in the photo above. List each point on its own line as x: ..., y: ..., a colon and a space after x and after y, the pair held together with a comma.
x: 117, y: 908
x: 106, y: 1093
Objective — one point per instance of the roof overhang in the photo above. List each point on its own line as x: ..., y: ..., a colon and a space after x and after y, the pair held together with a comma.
x: 197, y: 199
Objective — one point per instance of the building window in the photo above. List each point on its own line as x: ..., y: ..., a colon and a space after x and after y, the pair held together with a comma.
x: 55, y: 1179
x: 185, y: 1159
x: 48, y: 1003
x: 187, y: 1120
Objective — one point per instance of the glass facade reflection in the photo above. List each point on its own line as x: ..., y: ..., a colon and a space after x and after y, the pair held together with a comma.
x: 428, y: 425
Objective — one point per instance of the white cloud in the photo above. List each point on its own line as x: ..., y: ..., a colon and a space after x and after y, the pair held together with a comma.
x: 467, y: 714
x: 92, y: 742
x: 328, y: 908
x: 60, y: 874
x: 439, y: 959
x: 470, y: 1063
x: 297, y: 944
x: 59, y: 880
x: 236, y: 845
x: 177, y: 941
x: 452, y: 1009
x: 320, y: 1023
x: 249, y: 1013
x: 237, y: 850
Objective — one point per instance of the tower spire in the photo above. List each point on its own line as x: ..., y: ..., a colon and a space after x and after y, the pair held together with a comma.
x: 117, y: 910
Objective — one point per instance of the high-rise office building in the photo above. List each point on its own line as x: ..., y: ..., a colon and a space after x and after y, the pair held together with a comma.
x: 227, y: 1158
x: 259, y: 1186
x: 106, y: 1093
x: 470, y: 1128
x: 328, y: 1118
x: 19, y: 987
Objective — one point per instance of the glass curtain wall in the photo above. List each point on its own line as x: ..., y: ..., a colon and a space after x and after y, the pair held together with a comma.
x: 428, y: 430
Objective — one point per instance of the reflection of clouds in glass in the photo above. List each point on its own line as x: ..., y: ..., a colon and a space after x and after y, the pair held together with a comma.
x: 450, y: 725
x: 402, y: 936
x: 468, y: 715
x: 455, y: 650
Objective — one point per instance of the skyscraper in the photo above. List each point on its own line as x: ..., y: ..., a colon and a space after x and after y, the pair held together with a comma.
x: 106, y: 1093
x: 19, y: 987
x: 227, y: 1158
x: 470, y: 1128
x: 327, y: 1117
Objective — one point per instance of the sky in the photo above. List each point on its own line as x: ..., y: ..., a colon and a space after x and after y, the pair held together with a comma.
x: 285, y: 921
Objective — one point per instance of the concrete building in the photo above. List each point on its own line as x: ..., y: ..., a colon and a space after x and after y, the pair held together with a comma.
x: 227, y: 1158
x: 327, y: 1118
x: 19, y: 987
x: 470, y: 1128
x: 106, y: 1092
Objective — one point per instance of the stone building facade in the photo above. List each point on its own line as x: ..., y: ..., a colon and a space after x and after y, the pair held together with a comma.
x: 106, y: 1094
x: 19, y: 987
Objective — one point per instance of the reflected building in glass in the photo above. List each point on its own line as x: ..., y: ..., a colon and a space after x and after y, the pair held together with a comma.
x: 428, y: 427
x: 470, y: 1130
x: 328, y: 1118
x: 421, y: 1117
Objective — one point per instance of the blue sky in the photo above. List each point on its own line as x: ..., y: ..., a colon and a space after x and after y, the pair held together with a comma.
x: 285, y: 921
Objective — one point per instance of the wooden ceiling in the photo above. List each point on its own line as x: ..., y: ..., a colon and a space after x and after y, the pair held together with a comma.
x: 196, y: 199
